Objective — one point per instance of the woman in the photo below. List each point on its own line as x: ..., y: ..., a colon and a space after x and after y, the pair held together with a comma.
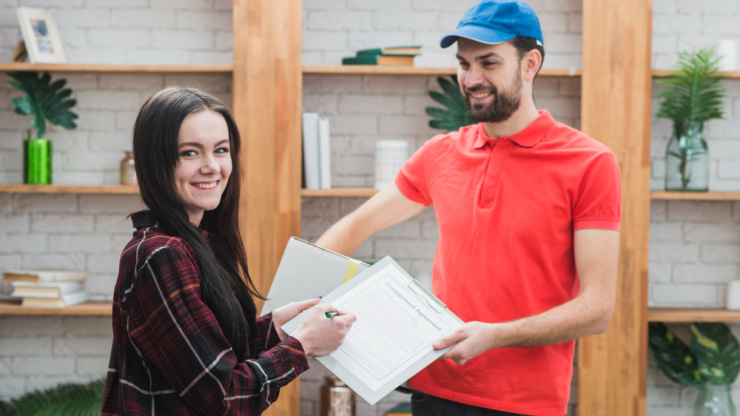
x: 186, y: 337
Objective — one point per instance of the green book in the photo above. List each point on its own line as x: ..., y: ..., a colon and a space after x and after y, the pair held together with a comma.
x: 393, y: 60
x: 392, y: 50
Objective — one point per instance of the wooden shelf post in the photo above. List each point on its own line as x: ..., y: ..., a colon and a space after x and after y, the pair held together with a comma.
x: 615, y: 109
x: 267, y: 107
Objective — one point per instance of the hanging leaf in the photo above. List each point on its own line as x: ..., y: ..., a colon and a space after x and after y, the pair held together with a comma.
x: 673, y: 357
x: 717, y: 351
x: 455, y: 114
x: 63, y: 400
x: 44, y: 100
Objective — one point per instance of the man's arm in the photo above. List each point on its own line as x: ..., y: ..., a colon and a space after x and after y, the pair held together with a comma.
x: 386, y: 208
x: 596, y: 256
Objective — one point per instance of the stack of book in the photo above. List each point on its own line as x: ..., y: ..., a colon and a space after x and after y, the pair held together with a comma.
x: 48, y: 288
x: 392, y: 55
x: 316, y: 152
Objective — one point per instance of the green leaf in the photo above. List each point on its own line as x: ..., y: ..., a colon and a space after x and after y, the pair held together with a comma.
x: 455, y: 114
x: 717, y: 350
x: 44, y: 100
x: 673, y: 357
x: 693, y: 92
x: 63, y: 400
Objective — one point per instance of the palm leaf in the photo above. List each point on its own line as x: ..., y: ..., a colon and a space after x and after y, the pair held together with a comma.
x: 673, y: 357
x: 455, y: 114
x: 717, y: 351
x: 62, y: 400
x: 44, y: 100
x: 693, y: 92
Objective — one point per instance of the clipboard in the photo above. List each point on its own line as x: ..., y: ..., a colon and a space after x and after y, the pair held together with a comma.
x: 398, y: 320
x: 308, y: 271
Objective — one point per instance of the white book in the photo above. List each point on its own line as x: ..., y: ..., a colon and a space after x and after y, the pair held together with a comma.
x: 65, y: 300
x: 45, y: 290
x: 324, y: 153
x: 311, y: 169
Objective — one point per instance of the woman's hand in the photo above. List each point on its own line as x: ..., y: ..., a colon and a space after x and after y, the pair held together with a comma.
x: 285, y: 313
x: 320, y: 335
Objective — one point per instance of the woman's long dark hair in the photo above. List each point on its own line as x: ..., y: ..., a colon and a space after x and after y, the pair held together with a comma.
x: 226, y: 286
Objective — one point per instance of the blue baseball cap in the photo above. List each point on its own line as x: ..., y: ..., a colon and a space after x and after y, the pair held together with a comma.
x: 496, y: 21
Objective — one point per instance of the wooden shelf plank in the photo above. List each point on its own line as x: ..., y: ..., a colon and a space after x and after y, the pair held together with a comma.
x: 68, y: 189
x: 662, y: 73
x: 412, y: 70
x: 692, y: 315
x: 155, y: 69
x: 92, y: 308
x: 340, y: 192
x: 696, y: 196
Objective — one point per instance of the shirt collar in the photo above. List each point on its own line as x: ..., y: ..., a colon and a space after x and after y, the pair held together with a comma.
x: 146, y: 218
x: 530, y: 136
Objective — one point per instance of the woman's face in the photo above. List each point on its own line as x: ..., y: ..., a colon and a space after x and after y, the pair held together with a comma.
x: 204, y: 163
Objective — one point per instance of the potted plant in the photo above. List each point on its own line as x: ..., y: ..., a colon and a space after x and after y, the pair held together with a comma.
x: 455, y: 114
x: 45, y: 101
x: 691, y: 96
x: 711, y: 363
x: 64, y: 400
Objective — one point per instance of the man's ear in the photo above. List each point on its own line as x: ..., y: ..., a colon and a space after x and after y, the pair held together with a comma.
x: 531, y: 62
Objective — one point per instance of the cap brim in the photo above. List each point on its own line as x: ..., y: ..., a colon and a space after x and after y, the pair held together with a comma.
x: 478, y: 34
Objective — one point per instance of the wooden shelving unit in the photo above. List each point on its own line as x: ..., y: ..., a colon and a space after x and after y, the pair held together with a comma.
x: 340, y: 192
x: 69, y: 189
x: 662, y: 73
x: 695, y: 196
x: 412, y: 70
x: 92, y: 308
x: 135, y: 69
x: 692, y: 315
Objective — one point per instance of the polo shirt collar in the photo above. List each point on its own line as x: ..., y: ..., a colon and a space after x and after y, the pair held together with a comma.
x: 530, y: 136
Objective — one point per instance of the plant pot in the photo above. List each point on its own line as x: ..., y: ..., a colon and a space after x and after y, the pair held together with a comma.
x: 37, y: 161
x: 714, y: 400
x: 687, y: 158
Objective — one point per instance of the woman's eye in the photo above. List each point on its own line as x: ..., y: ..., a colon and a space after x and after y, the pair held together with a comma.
x: 188, y: 153
x: 222, y: 150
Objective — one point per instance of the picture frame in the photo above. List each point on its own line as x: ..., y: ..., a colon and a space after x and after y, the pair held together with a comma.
x: 41, y: 36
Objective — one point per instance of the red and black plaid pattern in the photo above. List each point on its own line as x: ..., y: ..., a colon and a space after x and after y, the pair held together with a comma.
x: 169, y: 356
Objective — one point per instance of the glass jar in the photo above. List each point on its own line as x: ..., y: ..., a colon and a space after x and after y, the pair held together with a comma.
x: 128, y: 171
x: 687, y: 158
x: 714, y: 400
x: 337, y: 399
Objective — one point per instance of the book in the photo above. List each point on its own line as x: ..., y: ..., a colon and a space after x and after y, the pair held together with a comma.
x: 390, y: 60
x: 311, y: 167
x: 45, y: 290
x: 65, y: 300
x: 324, y: 154
x: 392, y: 50
x: 401, y: 409
x: 36, y: 276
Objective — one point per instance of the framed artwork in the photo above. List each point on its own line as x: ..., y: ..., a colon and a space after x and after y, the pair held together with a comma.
x: 41, y: 36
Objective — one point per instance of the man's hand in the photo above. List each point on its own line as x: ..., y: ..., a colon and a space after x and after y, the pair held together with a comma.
x: 473, y: 339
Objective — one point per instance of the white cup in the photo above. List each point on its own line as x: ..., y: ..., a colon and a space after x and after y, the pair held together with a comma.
x: 733, y: 294
x: 390, y: 155
x: 727, y: 52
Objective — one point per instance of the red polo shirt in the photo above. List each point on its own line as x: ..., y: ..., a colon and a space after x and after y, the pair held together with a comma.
x: 507, y: 210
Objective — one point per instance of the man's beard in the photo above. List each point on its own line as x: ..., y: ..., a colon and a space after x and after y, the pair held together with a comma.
x: 502, y: 106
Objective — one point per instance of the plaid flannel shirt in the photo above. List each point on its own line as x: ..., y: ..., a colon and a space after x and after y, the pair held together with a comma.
x: 169, y: 355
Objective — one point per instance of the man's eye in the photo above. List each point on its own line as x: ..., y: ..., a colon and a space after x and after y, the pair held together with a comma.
x: 489, y: 64
x: 463, y: 65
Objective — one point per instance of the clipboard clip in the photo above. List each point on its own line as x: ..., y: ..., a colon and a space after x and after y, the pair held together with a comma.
x: 431, y: 300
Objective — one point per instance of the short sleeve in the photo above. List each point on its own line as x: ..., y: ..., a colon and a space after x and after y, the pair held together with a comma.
x: 412, y: 178
x: 599, y: 199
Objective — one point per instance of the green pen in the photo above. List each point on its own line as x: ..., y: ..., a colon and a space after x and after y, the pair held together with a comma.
x: 332, y: 314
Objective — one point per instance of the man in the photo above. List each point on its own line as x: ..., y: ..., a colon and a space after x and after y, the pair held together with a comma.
x: 528, y: 213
